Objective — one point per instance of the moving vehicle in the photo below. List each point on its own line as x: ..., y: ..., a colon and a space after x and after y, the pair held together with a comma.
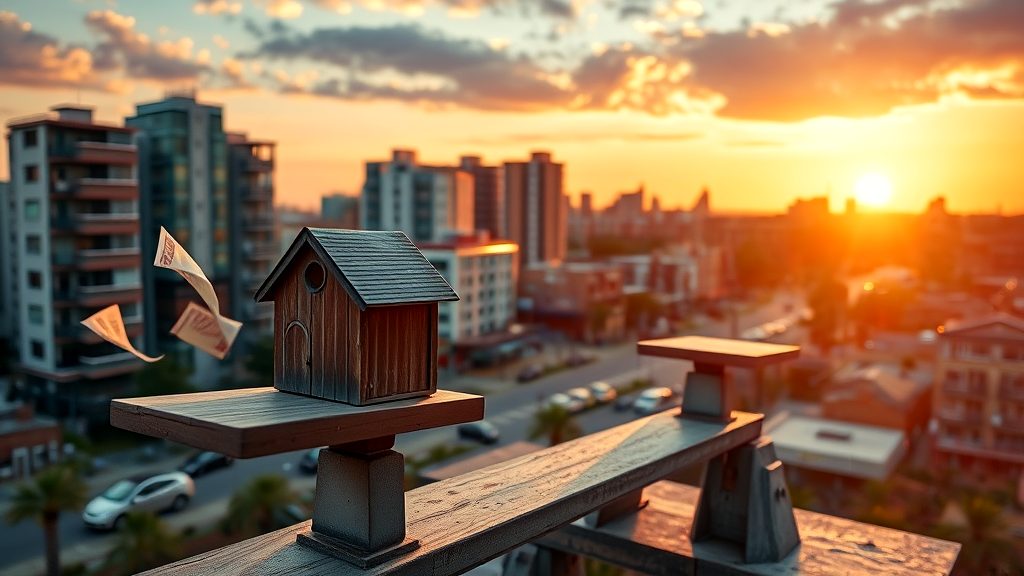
x: 566, y: 402
x: 654, y: 400
x: 205, y: 462
x: 171, y: 491
x: 584, y: 395
x: 482, y: 431
x: 603, y: 392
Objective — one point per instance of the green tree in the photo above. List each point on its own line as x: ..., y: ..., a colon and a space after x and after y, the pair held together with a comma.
x: 259, y: 506
x: 987, y: 548
x: 260, y: 362
x: 164, y: 377
x: 827, y: 300
x: 143, y: 542
x: 554, y: 423
x: 55, y: 490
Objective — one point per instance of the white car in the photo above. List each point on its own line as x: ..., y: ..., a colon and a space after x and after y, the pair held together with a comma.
x: 171, y: 491
x: 584, y: 395
x: 566, y: 402
x: 654, y: 400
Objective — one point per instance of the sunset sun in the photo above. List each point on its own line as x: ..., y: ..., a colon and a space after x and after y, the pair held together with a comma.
x: 873, y: 189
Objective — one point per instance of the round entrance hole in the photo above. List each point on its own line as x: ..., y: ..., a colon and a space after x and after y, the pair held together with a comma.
x: 315, y: 277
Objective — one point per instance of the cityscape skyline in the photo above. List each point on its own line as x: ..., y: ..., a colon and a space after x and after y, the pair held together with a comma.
x: 666, y: 109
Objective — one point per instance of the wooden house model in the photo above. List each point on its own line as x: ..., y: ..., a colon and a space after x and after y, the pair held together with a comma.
x: 355, y: 316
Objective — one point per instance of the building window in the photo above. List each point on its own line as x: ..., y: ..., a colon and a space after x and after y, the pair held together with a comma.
x: 33, y: 244
x: 35, y: 314
x: 32, y: 210
x: 37, y: 349
x: 35, y: 279
x: 30, y: 138
x: 31, y: 173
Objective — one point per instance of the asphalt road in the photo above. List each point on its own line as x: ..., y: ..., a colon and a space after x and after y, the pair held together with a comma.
x: 510, y: 410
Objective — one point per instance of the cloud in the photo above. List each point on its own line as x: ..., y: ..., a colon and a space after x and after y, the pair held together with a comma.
x: 134, y: 54
x: 407, y: 62
x: 29, y: 58
x: 289, y: 9
x: 867, y: 59
x: 284, y: 9
x: 215, y: 7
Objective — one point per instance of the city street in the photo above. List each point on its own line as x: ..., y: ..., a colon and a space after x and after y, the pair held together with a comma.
x: 510, y: 408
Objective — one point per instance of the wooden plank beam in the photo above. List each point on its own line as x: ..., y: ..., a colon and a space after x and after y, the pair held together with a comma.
x: 464, y: 521
x: 260, y: 421
x: 655, y: 541
x: 718, y: 351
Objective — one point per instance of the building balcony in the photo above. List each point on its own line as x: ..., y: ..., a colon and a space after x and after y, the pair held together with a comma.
x: 1008, y: 424
x: 258, y: 222
x: 99, y: 259
x: 960, y: 416
x: 960, y: 388
x: 1011, y: 393
x: 254, y: 164
x: 103, y: 295
x: 94, y: 153
x: 97, y: 189
x: 64, y: 333
x: 99, y: 224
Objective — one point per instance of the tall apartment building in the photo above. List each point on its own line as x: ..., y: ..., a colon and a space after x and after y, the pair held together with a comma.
x: 483, y: 272
x: 488, y: 196
x: 184, y: 188
x: 254, y: 241
x: 7, y: 279
x: 979, y: 395
x: 74, y: 249
x: 536, y: 212
x: 429, y: 203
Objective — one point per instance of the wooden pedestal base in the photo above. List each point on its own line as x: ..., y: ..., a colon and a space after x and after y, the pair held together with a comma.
x: 361, y: 558
x: 744, y: 499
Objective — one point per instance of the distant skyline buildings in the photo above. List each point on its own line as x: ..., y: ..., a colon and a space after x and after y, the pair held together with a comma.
x: 536, y: 209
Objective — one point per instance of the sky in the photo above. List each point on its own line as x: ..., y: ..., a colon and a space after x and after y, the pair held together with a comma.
x: 760, y: 101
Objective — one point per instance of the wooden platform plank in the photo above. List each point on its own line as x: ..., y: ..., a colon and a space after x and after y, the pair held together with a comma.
x: 720, y: 351
x: 655, y: 541
x: 260, y: 421
x: 464, y: 521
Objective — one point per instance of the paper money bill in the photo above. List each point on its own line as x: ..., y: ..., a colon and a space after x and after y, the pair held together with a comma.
x: 202, y: 329
x: 109, y: 325
x: 171, y: 255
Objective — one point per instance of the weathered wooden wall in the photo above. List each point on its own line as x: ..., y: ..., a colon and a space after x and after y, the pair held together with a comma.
x: 399, y: 352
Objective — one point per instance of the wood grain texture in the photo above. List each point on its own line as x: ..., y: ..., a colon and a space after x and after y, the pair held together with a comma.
x: 260, y: 421
x: 655, y: 541
x: 464, y: 521
x: 721, y: 351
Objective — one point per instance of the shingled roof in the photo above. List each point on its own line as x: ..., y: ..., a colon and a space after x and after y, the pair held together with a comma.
x: 376, y: 268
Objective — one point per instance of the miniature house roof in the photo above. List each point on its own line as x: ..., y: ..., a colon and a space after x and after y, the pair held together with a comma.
x: 376, y: 268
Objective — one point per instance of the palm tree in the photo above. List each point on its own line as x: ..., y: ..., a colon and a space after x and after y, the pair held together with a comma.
x: 987, y: 548
x: 259, y: 505
x: 555, y: 423
x: 55, y: 490
x: 143, y: 542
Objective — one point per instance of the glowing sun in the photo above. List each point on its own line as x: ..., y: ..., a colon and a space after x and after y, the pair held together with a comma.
x: 873, y: 189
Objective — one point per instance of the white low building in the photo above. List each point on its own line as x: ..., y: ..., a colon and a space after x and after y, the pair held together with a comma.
x: 483, y: 272
x: 841, y: 448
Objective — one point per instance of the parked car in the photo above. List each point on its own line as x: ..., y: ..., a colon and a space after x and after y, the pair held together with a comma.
x: 584, y: 395
x: 624, y: 403
x: 205, y: 462
x: 566, y: 402
x: 603, y: 392
x: 171, y: 491
x: 577, y: 360
x: 482, y: 431
x: 530, y: 372
x: 654, y: 400
x: 308, y: 462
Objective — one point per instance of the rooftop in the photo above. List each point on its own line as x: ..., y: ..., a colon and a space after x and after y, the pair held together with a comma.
x: 853, y: 450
